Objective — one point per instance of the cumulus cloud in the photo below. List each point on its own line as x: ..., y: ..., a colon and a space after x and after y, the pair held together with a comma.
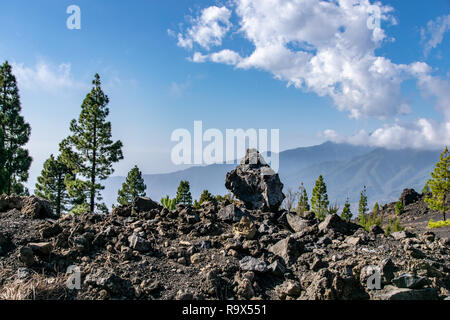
x: 208, y: 29
x: 322, y: 46
x: 225, y: 56
x: 422, y: 134
x: 329, y: 47
x: 433, y: 33
x: 44, y: 77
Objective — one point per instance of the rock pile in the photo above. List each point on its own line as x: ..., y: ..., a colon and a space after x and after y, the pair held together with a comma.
x: 255, y: 183
x: 219, y: 251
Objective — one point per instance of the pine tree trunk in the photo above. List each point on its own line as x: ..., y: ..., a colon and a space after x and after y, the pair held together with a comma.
x: 58, y: 197
x: 94, y: 163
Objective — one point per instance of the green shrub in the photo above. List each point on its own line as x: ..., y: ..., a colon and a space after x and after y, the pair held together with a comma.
x: 168, y: 203
x: 80, y: 209
x: 333, y: 208
x: 438, y: 224
x: 393, y: 226
x: 399, y: 208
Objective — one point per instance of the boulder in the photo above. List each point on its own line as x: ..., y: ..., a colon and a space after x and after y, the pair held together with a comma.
x: 255, y: 183
x: 141, y: 204
x: 245, y: 228
x: 288, y: 288
x: 37, y: 208
x: 393, y: 293
x: 288, y: 249
x: 277, y: 268
x: 10, y: 202
x: 108, y: 280
x: 44, y: 248
x: 387, y: 268
x: 122, y: 211
x: 409, y: 196
x: 231, y: 213
x: 408, y: 281
x: 138, y: 243
x: 296, y: 222
x: 252, y: 264
x: 334, y: 223
x: 51, y: 230
x: 399, y: 235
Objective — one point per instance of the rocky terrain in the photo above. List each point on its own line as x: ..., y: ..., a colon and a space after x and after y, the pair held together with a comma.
x: 416, y: 213
x: 248, y: 249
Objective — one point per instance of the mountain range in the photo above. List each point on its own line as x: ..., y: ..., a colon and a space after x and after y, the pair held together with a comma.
x: 345, y: 168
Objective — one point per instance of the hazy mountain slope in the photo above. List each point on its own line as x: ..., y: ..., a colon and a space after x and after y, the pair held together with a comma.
x: 346, y: 170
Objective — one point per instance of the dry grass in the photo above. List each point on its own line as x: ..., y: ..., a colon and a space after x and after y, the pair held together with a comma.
x: 36, y: 287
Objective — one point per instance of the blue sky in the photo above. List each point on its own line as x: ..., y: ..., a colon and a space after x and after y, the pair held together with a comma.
x: 155, y: 87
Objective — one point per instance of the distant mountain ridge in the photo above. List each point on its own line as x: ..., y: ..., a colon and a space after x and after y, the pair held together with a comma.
x: 345, y: 168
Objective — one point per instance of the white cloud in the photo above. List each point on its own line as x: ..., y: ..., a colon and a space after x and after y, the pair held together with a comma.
x: 423, y: 134
x: 329, y: 47
x: 225, y: 56
x: 434, y: 32
x: 208, y: 29
x: 320, y: 46
x: 44, y: 77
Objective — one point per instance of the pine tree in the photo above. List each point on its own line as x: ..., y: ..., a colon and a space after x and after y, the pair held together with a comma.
x: 376, y: 209
x: 14, y: 134
x: 363, y: 202
x: 206, y: 196
x: 346, y: 212
x: 50, y: 184
x: 184, y: 196
x: 362, y: 211
x: 89, y: 151
x: 303, y: 201
x: 134, y: 186
x: 319, y: 199
x: 440, y: 185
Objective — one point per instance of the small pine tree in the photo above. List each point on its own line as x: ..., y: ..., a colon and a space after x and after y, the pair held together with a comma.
x: 363, y: 202
x: 90, y: 151
x: 15, y: 161
x: 346, y: 214
x: 362, y: 210
x: 303, y: 201
x: 399, y: 208
x: 133, y: 187
x: 184, y: 196
x: 376, y: 209
x: 319, y: 199
x: 440, y: 185
x: 50, y: 184
x: 206, y: 196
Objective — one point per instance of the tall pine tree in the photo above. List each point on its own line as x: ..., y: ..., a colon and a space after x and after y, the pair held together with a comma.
x: 133, y: 187
x: 15, y: 160
x: 51, y: 184
x: 439, y: 185
x: 319, y: 199
x: 184, y: 194
x: 89, y: 151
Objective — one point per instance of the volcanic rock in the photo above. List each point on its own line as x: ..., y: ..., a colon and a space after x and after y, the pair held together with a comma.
x: 255, y: 183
